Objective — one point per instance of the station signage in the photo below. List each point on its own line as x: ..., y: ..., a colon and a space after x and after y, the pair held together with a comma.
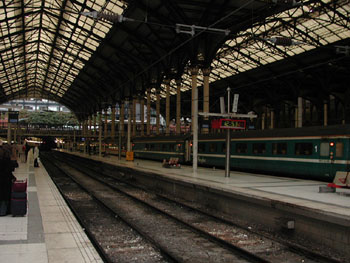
x: 228, y: 124
x: 13, y: 116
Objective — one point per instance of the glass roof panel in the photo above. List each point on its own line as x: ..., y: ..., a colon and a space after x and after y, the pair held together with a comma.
x: 45, y: 45
x: 311, y: 26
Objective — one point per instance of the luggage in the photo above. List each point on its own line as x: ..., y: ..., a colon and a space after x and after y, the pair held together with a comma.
x: 19, y: 186
x: 3, y: 208
x: 19, y: 198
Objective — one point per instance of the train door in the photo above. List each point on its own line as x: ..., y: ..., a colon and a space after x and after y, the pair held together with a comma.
x: 331, y: 154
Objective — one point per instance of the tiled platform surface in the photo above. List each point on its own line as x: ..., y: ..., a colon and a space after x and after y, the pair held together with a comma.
x: 304, y: 193
x: 49, y: 232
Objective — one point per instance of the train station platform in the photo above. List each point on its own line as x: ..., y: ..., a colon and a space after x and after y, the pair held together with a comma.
x: 49, y: 232
x: 322, y: 218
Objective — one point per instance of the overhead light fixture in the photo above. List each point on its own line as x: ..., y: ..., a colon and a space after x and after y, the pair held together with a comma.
x: 287, y: 2
x: 191, y: 29
x: 109, y: 16
x: 343, y: 50
x: 284, y: 41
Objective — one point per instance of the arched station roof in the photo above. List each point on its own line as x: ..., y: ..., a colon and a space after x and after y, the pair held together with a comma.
x: 268, y: 51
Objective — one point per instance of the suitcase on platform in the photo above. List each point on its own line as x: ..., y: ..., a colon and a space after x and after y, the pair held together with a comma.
x: 19, y: 198
x: 18, y: 207
x: 19, y: 186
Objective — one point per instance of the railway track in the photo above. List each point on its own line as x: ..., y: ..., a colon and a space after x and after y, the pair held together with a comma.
x: 114, y: 239
x: 182, y: 233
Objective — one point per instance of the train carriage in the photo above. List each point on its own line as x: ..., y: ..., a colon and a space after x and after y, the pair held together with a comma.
x: 311, y: 152
x: 160, y: 148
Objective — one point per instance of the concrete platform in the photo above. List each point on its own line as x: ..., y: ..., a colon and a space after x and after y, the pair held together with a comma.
x: 319, y: 218
x: 49, y: 232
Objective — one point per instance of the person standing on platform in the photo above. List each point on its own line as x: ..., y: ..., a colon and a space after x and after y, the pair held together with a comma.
x: 36, y: 156
x: 13, y: 148
x: 27, y: 148
x: 21, y: 149
x: 6, y: 179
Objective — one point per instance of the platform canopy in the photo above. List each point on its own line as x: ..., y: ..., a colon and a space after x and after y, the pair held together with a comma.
x: 265, y: 50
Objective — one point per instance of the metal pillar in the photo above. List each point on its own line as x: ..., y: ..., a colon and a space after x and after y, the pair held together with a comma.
x: 106, y: 124
x: 134, y: 102
x: 228, y: 138
x: 129, y: 127
x: 195, y: 131
x: 194, y: 73
x: 158, y: 112
x: 122, y: 118
x: 263, y: 121
x: 113, y: 123
x: 74, y: 140
x: 272, y: 119
x: 167, y: 106
x: 121, y: 126
x: 90, y: 126
x: 148, y: 111
x: 300, y: 112
x: 206, y: 73
x: 84, y: 134
x: 100, y: 134
x: 95, y: 125
x: 142, y: 112
x: 325, y: 114
x: 178, y: 106
x: 9, y: 132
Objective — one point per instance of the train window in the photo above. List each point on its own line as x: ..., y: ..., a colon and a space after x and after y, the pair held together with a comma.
x: 339, y: 149
x: 146, y: 147
x: 241, y: 148
x: 157, y: 147
x: 164, y: 147
x: 303, y: 148
x: 213, y: 147
x: 201, y: 147
x: 224, y: 147
x: 324, y: 149
x: 259, y: 148
x: 279, y: 148
x: 151, y: 146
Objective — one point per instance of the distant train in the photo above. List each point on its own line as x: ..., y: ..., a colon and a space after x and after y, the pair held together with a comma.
x: 310, y: 152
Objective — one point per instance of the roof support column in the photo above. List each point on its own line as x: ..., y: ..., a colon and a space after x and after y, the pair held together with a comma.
x: 134, y: 102
x: 206, y: 73
x: 142, y: 112
x: 9, y: 133
x: 84, y: 135
x: 325, y: 113
x: 194, y: 73
x: 106, y: 123
x: 100, y: 134
x: 129, y: 125
x: 113, y: 122
x: 90, y: 125
x: 95, y: 125
x: 263, y: 121
x: 178, y: 106
x: 122, y: 118
x: 167, y: 106
x: 300, y: 113
x: 121, y: 127
x: 148, y: 111
x: 158, y: 112
x: 272, y: 119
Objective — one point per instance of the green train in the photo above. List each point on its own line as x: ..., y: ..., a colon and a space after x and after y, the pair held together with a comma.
x: 310, y: 152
